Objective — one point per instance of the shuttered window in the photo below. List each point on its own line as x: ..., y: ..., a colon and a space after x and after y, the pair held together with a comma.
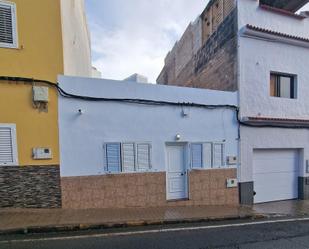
x: 8, y: 150
x: 128, y: 157
x: 143, y: 157
x: 8, y: 29
x: 218, y: 155
x: 197, y: 156
x: 207, y: 155
x: 113, y: 161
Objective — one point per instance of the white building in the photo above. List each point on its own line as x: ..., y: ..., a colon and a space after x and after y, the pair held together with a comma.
x: 273, y: 82
x: 259, y: 49
x: 146, y: 145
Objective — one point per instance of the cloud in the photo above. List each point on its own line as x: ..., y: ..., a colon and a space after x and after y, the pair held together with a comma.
x: 137, y: 34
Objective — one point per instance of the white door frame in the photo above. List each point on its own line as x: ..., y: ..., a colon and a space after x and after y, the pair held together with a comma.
x: 185, y: 146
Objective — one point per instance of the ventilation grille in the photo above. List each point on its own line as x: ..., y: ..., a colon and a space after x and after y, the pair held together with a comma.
x: 6, y: 24
x: 6, y: 146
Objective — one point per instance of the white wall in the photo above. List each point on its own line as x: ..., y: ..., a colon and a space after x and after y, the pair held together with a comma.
x: 250, y: 13
x: 82, y: 136
x: 76, y: 39
x: 271, y: 138
x: 257, y: 58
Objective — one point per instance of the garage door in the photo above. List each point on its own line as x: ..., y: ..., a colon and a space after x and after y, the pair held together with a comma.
x: 275, y: 175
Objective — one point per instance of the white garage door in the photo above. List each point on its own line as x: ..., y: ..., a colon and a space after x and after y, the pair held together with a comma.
x: 275, y: 175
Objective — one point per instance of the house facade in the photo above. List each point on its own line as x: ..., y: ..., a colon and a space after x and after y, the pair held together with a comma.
x: 38, y: 41
x: 128, y: 144
x: 259, y: 50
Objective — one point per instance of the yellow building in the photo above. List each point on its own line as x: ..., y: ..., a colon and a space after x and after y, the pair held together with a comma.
x: 38, y: 40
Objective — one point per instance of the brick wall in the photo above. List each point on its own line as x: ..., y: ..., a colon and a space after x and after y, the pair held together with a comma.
x: 206, y: 187
x: 214, y: 65
x: 30, y: 187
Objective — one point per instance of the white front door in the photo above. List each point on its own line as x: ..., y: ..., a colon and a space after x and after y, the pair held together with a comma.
x: 176, y: 173
x: 275, y: 175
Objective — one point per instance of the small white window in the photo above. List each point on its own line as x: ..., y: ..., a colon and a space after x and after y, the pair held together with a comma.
x: 8, y: 147
x: 8, y: 25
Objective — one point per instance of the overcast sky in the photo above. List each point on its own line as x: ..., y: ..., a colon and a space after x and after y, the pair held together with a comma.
x: 134, y: 36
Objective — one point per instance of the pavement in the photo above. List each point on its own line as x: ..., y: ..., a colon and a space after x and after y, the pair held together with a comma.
x: 292, y: 208
x: 18, y: 221
x: 23, y: 221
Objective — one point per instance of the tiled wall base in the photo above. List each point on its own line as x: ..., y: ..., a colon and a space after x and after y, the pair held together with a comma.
x: 30, y: 187
x: 206, y: 187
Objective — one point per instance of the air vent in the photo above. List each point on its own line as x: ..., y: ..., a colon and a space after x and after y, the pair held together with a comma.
x: 7, y: 25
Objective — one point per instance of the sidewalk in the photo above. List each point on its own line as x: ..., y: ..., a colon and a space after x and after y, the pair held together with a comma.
x: 47, y: 220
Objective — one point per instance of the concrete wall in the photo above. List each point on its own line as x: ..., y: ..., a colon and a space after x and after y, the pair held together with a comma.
x: 84, y: 135
x: 76, y: 39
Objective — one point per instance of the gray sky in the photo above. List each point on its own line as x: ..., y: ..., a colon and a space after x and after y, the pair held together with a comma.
x: 134, y: 36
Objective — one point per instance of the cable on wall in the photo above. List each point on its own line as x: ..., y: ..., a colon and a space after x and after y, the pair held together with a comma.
x: 146, y: 102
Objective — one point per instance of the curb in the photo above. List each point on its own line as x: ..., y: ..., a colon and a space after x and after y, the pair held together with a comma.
x: 109, y: 225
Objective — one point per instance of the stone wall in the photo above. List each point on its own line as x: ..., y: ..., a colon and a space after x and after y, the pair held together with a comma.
x: 206, y: 187
x: 30, y: 187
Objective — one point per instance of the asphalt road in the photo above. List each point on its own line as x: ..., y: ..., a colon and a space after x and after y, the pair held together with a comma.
x: 279, y: 235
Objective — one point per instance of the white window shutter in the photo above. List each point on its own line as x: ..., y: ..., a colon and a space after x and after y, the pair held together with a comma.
x: 8, y: 27
x: 8, y: 148
x: 143, y: 155
x: 207, y: 158
x: 128, y: 157
x: 218, y: 155
x: 113, y: 162
x: 197, y: 156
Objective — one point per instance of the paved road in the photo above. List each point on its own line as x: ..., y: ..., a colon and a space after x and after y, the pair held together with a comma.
x: 279, y: 235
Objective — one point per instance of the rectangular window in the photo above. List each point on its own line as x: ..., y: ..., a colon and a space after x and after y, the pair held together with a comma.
x: 8, y: 25
x: 283, y: 85
x: 113, y: 162
x: 197, y: 156
x: 8, y: 148
x: 218, y: 155
x: 127, y: 157
x: 143, y: 157
x: 207, y: 155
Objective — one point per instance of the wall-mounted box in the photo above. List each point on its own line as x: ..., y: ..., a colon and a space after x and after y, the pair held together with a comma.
x: 40, y: 94
x: 231, y: 160
x: 42, y: 153
x: 231, y: 183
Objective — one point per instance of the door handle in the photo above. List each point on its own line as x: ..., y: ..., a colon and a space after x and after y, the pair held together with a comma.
x: 182, y: 174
